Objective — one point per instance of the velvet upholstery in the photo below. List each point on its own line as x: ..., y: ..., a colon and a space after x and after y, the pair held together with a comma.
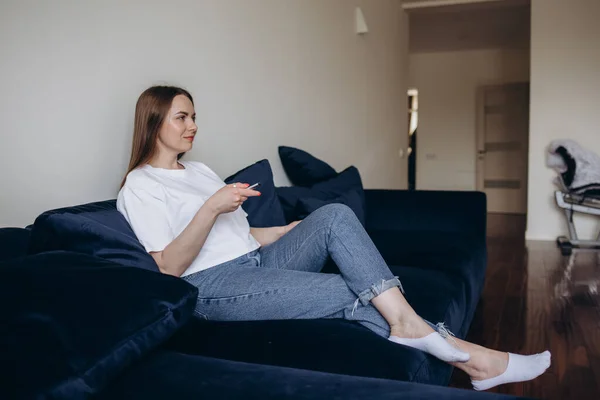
x: 334, y: 346
x: 348, y: 179
x: 434, y: 242
x: 352, y: 198
x: 265, y: 210
x: 288, y: 198
x: 332, y: 190
x: 70, y: 323
x: 302, y: 168
x: 172, y: 375
x: 426, y: 211
x: 433, y: 230
x: 13, y: 242
x: 323, y: 345
x: 96, y: 229
x: 442, y: 273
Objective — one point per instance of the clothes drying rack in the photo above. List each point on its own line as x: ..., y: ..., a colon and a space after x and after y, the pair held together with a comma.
x: 577, y: 202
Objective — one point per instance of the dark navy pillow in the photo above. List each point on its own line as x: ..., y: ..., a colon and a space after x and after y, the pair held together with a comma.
x: 346, y: 181
x: 97, y: 229
x: 265, y: 210
x: 288, y: 197
x: 70, y: 322
x: 302, y: 168
x: 352, y: 199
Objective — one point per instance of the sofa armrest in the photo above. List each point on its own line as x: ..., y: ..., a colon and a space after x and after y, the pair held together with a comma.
x: 437, y: 230
x: 429, y: 211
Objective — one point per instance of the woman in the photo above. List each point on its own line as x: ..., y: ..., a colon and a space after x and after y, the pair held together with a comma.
x: 192, y: 224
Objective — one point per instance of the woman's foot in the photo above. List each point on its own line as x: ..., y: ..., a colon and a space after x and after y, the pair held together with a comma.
x: 418, y: 334
x: 495, y: 368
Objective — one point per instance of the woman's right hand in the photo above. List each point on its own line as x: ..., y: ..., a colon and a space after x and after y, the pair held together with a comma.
x: 229, y: 198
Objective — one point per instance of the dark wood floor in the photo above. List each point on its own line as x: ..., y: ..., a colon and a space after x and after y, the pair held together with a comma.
x: 535, y: 299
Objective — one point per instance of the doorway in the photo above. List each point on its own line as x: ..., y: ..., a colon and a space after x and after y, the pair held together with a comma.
x: 503, y: 146
x: 413, y: 122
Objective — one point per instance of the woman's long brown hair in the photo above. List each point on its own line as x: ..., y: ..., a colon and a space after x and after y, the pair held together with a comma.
x: 150, y: 112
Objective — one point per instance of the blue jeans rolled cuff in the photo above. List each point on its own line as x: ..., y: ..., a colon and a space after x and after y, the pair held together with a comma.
x: 376, y: 289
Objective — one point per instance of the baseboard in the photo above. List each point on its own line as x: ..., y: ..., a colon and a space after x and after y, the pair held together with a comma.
x: 539, y: 237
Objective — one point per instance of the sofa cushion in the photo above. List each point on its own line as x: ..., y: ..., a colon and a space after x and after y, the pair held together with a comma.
x: 322, y: 345
x: 304, y: 169
x: 326, y: 345
x: 96, y: 229
x: 172, y: 375
x: 70, y: 322
x: 327, y: 191
x: 13, y: 242
x: 265, y: 210
x: 351, y: 198
x: 458, y: 255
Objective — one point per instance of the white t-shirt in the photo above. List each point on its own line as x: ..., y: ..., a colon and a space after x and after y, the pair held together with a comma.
x: 159, y: 204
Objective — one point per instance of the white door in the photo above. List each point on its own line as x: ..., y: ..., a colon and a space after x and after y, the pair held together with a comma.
x: 502, y: 146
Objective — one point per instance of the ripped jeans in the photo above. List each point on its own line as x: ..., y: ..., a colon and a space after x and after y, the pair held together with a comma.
x: 283, y: 280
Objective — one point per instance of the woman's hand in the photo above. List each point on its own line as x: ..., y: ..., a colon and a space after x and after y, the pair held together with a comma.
x: 229, y: 198
x: 266, y: 236
x: 290, y: 226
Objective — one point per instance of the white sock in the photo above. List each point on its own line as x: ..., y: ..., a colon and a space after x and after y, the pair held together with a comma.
x: 520, y: 369
x: 435, y: 345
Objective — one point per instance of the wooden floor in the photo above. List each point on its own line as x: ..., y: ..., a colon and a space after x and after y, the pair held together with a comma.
x: 535, y: 299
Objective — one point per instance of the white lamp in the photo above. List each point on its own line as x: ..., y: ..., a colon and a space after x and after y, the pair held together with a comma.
x: 361, y: 24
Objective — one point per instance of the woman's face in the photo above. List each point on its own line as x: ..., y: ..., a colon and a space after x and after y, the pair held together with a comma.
x: 179, y: 127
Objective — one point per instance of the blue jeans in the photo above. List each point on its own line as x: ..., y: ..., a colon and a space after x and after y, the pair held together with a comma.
x: 283, y: 280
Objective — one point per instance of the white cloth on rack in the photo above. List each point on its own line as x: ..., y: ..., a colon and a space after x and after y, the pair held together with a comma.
x: 586, y: 168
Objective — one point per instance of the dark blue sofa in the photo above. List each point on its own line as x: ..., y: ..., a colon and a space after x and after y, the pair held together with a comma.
x: 434, y: 241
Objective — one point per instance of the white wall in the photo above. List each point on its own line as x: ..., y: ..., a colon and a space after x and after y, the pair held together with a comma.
x: 263, y: 73
x: 447, y: 84
x: 565, y: 101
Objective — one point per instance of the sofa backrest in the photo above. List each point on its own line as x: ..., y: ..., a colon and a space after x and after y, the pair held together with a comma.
x: 13, y: 242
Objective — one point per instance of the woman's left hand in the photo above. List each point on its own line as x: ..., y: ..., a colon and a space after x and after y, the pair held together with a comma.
x: 266, y: 236
x: 290, y: 226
